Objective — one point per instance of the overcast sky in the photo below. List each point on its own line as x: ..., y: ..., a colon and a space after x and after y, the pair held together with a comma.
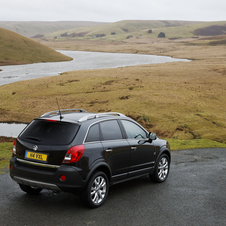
x: 112, y: 11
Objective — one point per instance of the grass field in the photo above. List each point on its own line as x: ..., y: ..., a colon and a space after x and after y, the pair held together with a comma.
x: 5, y: 154
x: 183, y: 100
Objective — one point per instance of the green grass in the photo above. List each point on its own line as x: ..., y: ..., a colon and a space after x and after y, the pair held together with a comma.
x: 176, y: 144
x: 5, y: 155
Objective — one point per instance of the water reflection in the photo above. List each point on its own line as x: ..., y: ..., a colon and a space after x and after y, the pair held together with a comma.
x: 11, y: 129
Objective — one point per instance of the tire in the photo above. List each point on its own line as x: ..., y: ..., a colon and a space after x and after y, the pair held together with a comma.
x: 96, y: 190
x: 162, y: 168
x: 30, y: 190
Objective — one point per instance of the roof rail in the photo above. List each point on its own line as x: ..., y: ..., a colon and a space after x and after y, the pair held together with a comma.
x: 98, y: 115
x: 63, y: 110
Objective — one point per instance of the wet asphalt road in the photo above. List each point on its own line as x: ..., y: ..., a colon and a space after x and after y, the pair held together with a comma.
x: 194, y: 194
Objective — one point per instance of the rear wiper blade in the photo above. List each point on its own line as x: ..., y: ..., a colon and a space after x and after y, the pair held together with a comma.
x: 33, y: 138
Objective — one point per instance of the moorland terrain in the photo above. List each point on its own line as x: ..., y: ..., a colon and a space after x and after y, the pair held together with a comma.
x: 180, y: 100
x: 17, y: 49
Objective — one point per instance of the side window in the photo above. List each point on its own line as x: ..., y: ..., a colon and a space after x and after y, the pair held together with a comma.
x: 110, y: 130
x: 133, y: 131
x: 93, y: 134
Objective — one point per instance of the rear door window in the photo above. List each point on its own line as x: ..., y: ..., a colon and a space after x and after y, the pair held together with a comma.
x: 110, y: 130
x: 50, y: 132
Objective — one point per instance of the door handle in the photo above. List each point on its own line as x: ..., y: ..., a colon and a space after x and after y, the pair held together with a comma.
x: 134, y: 148
x: 109, y: 150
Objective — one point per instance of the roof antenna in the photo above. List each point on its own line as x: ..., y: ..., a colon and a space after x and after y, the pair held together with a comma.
x: 61, y: 117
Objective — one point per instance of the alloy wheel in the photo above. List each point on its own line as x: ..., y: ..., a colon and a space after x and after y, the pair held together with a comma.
x: 98, y: 190
x: 163, y: 168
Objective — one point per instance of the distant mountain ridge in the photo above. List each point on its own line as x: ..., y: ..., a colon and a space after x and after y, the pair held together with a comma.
x: 116, y: 31
x: 121, y: 30
x: 32, y: 28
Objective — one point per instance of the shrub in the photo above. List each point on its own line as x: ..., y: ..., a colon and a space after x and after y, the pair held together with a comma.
x: 64, y: 34
x: 129, y: 36
x: 100, y: 35
x: 125, y: 30
x: 150, y: 31
x: 161, y: 35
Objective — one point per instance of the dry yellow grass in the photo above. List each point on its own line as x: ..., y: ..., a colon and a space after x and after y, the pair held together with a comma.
x: 182, y: 99
x: 17, y: 49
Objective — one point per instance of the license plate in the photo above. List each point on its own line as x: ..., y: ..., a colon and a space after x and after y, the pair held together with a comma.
x: 36, y: 156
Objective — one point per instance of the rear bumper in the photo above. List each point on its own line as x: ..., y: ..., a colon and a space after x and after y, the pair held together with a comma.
x: 47, y: 178
x: 37, y: 184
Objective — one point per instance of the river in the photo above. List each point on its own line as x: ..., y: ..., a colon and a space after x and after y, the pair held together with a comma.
x: 81, y: 61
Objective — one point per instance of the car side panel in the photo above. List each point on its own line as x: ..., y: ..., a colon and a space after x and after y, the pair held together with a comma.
x: 142, y: 158
x: 117, y: 155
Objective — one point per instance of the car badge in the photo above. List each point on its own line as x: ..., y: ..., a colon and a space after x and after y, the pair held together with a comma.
x: 35, y: 148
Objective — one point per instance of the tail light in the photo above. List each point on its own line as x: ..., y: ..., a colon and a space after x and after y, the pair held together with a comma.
x: 74, y: 154
x: 14, y: 147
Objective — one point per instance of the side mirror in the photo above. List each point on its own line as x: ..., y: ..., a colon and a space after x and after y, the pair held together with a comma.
x: 152, y: 136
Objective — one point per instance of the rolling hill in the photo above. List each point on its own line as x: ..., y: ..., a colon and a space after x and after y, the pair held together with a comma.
x: 17, y: 49
x: 117, y: 31
x: 33, y: 28
x: 122, y: 30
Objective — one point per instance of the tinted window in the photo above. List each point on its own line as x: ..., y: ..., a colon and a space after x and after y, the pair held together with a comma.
x: 49, y: 132
x: 110, y: 130
x: 133, y: 131
x: 93, y: 134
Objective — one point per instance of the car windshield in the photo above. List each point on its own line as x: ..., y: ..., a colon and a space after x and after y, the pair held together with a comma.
x: 49, y: 132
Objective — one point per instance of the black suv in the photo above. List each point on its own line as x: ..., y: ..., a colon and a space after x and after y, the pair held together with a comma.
x: 84, y: 153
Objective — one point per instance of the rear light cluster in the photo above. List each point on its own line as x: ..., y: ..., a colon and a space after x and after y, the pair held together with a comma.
x: 14, y: 147
x: 74, y: 154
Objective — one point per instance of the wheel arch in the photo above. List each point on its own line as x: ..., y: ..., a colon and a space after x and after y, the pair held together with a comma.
x: 164, y: 150
x: 103, y: 167
x: 167, y: 152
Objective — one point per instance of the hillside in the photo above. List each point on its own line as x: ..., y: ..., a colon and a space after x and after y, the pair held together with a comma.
x: 33, y: 28
x: 118, y: 30
x: 17, y: 49
x: 124, y: 30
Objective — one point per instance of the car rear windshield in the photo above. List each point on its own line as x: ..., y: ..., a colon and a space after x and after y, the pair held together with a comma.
x: 49, y: 132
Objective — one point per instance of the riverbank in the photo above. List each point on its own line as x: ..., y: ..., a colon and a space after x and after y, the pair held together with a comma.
x: 183, y: 100
x: 6, y: 139
x: 81, y: 61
